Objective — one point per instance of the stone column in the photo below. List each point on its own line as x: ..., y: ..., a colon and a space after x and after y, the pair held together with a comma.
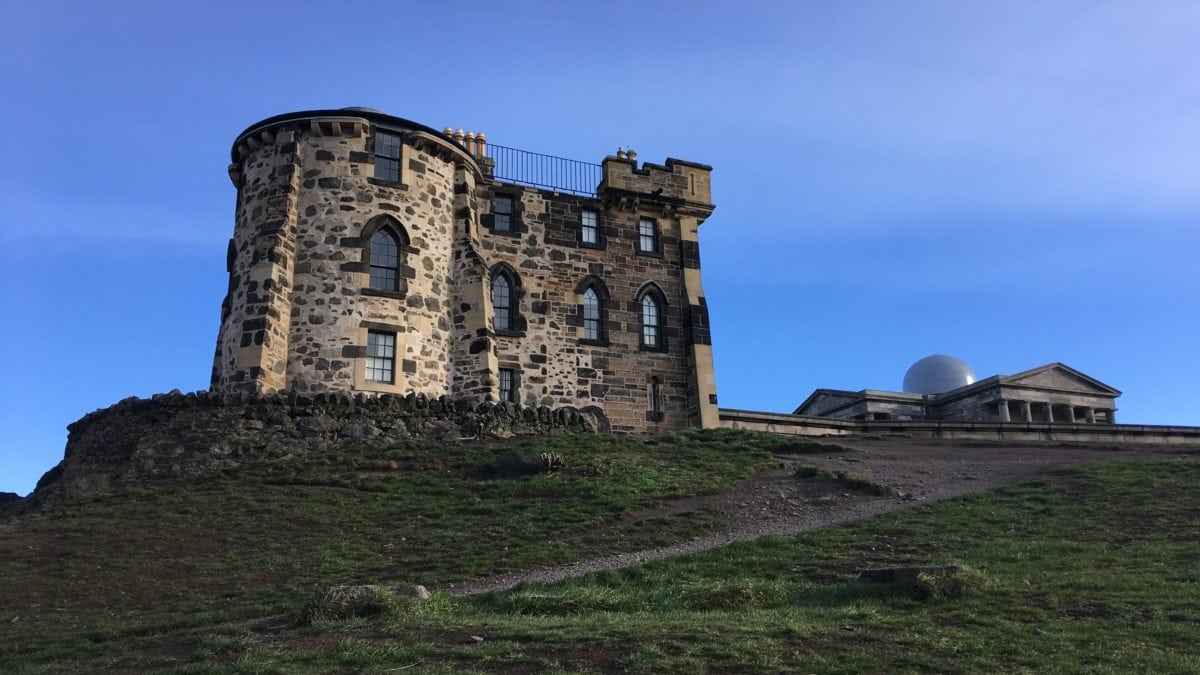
x: 1112, y: 416
x: 1026, y: 411
x: 1049, y: 413
x: 1089, y: 414
x: 1070, y: 418
x: 1002, y: 408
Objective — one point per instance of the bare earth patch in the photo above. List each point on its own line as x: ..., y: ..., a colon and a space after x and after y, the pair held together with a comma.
x: 776, y: 503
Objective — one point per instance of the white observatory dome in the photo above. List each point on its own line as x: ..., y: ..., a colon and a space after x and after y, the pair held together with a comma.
x: 937, y: 374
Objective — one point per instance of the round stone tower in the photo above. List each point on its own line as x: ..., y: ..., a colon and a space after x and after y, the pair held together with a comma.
x: 343, y: 254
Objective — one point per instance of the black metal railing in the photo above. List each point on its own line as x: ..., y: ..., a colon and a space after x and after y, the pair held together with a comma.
x: 545, y: 171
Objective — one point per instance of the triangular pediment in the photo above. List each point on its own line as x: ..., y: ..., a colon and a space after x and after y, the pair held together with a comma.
x: 822, y: 400
x: 1060, y: 377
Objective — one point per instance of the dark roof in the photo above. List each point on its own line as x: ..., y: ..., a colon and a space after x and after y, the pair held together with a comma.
x: 364, y: 113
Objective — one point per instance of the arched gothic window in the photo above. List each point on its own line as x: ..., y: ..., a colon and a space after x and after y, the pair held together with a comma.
x: 652, y: 303
x: 593, y: 309
x: 592, y: 315
x: 502, y: 303
x: 385, y: 260
x: 506, y: 301
x: 651, y: 322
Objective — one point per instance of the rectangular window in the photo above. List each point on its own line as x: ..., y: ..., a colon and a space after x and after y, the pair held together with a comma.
x: 589, y: 228
x: 502, y: 213
x: 647, y: 235
x: 381, y: 357
x: 508, y: 389
x: 387, y: 157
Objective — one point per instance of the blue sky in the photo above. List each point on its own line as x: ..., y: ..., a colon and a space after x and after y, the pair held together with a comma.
x: 1013, y: 183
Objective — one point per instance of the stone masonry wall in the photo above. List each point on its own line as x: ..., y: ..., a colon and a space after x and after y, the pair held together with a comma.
x: 300, y: 305
x: 252, y: 346
x: 182, y: 435
x: 554, y: 366
x: 334, y: 306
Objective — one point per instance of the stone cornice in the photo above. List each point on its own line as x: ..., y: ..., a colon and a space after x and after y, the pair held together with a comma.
x: 352, y: 123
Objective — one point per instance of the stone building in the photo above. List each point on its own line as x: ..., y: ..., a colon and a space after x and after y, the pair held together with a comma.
x: 941, y: 387
x: 374, y: 254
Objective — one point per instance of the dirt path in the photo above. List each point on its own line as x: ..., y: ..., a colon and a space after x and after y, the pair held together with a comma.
x: 775, y: 503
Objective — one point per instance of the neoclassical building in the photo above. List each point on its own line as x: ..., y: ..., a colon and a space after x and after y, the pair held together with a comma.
x: 941, y: 387
x: 373, y: 254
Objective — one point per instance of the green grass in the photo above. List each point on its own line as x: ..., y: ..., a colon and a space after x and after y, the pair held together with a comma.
x: 103, y: 580
x: 1096, y: 569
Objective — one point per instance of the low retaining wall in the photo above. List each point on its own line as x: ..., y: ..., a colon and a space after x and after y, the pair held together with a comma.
x: 801, y: 425
x: 179, y: 435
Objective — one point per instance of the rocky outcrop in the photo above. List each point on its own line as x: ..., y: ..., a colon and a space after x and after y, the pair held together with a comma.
x: 182, y: 435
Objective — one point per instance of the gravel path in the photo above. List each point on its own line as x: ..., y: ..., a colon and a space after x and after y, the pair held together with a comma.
x: 775, y: 503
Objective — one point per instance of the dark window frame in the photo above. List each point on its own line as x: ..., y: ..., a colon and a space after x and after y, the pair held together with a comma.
x: 516, y: 321
x: 655, y: 238
x: 388, y: 156
x: 403, y: 271
x: 514, y: 385
x: 497, y: 213
x: 596, y: 286
x: 599, y: 243
x: 389, y: 275
x: 593, y: 326
x: 370, y: 367
x: 655, y: 294
x: 516, y: 226
x: 502, y: 312
x: 651, y: 337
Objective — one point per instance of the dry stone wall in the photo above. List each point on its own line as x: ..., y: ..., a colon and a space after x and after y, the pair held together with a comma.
x: 178, y: 435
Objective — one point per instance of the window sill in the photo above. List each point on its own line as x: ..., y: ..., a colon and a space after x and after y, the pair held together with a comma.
x: 599, y: 246
x: 509, y: 333
x: 387, y: 183
x: 661, y: 349
x: 513, y: 233
x: 594, y: 343
x: 381, y: 293
x: 649, y: 254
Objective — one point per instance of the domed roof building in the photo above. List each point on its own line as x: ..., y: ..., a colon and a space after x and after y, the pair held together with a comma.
x: 942, y: 387
x: 937, y: 374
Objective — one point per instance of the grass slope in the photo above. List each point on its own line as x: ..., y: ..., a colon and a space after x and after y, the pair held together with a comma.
x: 1096, y: 569
x: 107, y: 582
